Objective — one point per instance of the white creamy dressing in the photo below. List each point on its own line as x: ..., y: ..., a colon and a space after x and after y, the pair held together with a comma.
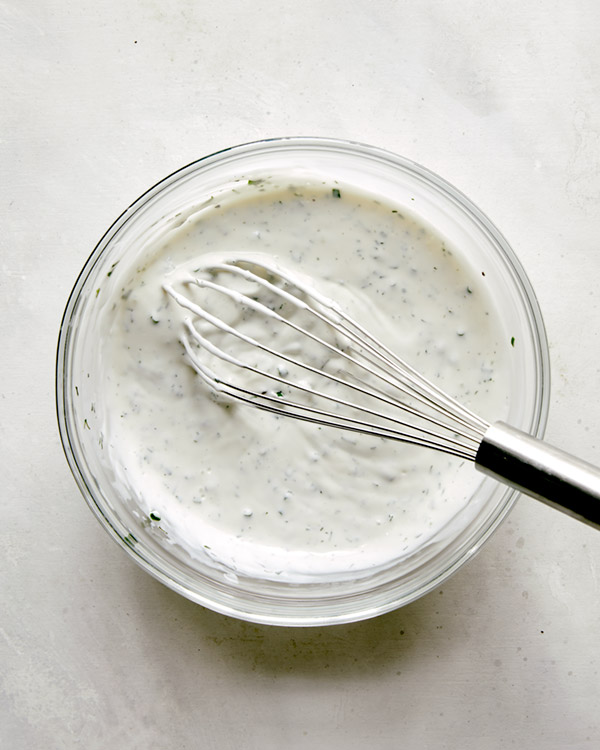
x: 273, y: 497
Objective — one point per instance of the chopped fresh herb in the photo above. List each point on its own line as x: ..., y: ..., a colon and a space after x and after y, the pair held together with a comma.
x: 280, y: 393
x: 112, y: 268
x: 85, y: 424
x: 154, y: 320
x: 512, y: 341
x: 154, y: 517
x: 255, y: 182
x: 469, y: 290
x: 336, y: 193
x: 97, y: 291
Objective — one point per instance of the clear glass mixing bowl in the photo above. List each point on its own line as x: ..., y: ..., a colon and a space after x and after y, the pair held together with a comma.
x: 322, y: 601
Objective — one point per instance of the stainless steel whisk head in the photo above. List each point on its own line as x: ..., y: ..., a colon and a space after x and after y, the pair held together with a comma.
x: 371, y: 391
x: 333, y: 372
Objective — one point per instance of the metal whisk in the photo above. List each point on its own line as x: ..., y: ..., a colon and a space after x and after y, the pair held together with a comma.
x: 354, y: 381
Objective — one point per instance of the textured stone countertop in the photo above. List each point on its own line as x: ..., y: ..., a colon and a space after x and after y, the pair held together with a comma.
x: 101, y: 100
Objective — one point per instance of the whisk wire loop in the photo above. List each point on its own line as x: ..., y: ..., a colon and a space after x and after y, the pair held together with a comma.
x: 446, y: 425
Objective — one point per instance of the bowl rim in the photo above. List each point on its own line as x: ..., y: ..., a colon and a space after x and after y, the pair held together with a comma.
x: 305, y: 143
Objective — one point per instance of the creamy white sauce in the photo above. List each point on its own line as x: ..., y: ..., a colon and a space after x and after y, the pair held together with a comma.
x: 273, y: 497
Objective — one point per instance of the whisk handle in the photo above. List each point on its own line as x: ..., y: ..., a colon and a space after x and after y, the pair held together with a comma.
x: 541, y: 471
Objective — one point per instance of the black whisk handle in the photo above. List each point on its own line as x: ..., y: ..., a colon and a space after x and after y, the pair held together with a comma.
x: 541, y: 471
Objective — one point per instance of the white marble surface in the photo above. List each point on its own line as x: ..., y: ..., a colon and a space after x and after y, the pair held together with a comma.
x: 100, y: 100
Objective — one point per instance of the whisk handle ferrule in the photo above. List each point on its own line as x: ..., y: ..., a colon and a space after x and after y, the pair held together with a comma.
x: 541, y: 471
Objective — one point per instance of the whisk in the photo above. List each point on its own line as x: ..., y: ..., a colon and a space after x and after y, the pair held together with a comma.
x: 362, y: 385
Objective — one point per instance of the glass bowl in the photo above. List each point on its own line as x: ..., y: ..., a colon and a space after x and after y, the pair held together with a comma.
x: 316, y: 602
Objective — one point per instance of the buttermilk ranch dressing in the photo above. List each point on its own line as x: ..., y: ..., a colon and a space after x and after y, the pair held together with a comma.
x: 273, y: 497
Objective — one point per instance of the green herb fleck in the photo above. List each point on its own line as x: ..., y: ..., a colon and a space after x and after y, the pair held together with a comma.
x: 255, y: 182
x: 469, y: 290
x: 156, y: 322
x: 154, y: 517
x: 85, y: 424
x: 336, y: 193
x: 112, y: 268
x: 97, y: 291
x: 280, y: 393
x: 512, y: 341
